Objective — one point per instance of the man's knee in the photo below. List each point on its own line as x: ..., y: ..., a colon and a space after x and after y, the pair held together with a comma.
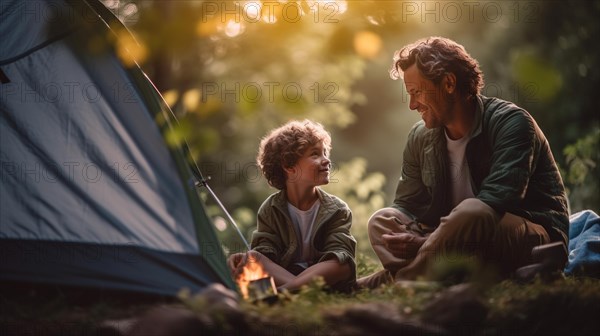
x: 470, y: 226
x: 379, y: 214
x: 472, y: 211
x: 387, y: 219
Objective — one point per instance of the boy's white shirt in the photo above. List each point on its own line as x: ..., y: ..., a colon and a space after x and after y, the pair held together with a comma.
x: 304, y: 224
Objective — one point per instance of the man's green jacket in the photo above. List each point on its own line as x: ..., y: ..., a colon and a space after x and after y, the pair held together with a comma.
x: 511, y: 164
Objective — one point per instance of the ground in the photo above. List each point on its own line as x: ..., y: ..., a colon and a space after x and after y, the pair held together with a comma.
x: 453, y: 305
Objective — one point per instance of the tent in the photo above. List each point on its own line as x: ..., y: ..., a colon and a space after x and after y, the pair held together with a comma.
x: 91, y: 195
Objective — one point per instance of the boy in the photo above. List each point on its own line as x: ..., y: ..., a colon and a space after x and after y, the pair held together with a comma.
x: 302, y: 231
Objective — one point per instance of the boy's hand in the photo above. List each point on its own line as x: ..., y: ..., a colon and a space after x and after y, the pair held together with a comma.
x: 236, y: 261
x: 403, y: 245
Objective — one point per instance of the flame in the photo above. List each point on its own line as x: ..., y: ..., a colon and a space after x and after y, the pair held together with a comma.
x: 253, y: 270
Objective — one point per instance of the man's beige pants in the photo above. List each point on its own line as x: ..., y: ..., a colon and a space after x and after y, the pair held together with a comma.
x: 472, y: 228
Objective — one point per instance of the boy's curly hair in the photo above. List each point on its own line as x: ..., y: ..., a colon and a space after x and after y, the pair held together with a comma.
x: 284, y: 146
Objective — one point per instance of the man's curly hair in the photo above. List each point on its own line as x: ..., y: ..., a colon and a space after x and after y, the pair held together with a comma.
x: 437, y: 56
x: 284, y: 146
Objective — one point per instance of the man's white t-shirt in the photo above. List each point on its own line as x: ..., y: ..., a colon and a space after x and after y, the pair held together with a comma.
x: 460, y: 176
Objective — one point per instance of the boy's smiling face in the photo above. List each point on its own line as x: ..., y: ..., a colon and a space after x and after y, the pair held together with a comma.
x: 312, y: 169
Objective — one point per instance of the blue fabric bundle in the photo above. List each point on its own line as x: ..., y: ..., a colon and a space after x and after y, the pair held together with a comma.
x: 584, y: 244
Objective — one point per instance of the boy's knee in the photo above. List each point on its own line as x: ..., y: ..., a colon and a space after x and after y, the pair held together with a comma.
x: 254, y: 256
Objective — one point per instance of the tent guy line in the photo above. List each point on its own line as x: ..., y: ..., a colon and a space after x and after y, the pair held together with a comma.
x: 203, y: 183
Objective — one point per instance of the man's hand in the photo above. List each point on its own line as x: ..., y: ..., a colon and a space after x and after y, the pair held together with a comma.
x: 403, y: 245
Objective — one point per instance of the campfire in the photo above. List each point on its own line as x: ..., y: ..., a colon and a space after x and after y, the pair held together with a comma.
x: 255, y: 283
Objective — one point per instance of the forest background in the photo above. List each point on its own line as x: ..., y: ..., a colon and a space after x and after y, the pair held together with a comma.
x: 233, y: 70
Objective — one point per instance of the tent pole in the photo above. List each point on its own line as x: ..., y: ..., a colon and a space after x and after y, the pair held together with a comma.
x: 214, y: 196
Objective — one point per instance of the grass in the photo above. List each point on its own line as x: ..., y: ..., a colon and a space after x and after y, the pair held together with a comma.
x: 564, y: 305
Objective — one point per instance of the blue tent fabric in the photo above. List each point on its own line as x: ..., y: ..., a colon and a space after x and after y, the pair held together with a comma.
x: 584, y: 244
x: 128, y: 268
x: 90, y: 193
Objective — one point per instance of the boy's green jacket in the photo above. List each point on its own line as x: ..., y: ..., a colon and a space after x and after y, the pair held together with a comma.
x: 277, y: 239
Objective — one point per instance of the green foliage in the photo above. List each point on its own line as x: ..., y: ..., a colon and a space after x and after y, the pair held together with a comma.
x: 454, y: 269
x: 366, y: 264
x: 581, y: 175
x: 531, y: 68
x: 363, y: 192
x: 582, y: 157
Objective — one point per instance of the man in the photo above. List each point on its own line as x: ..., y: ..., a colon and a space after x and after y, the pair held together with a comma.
x: 478, y: 175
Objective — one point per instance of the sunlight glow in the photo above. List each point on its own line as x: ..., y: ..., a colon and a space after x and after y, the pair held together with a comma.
x: 206, y: 28
x: 129, y: 50
x: 170, y: 97
x: 269, y: 17
x: 253, y: 9
x: 367, y: 44
x: 220, y: 223
x: 191, y: 100
x: 130, y: 9
x: 233, y: 28
x: 342, y: 6
x: 332, y: 6
x: 112, y: 4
